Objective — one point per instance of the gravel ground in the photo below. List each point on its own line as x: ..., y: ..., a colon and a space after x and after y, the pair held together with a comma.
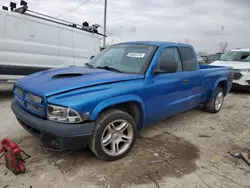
x: 187, y: 150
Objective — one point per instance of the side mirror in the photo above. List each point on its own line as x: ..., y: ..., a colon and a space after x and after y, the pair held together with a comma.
x: 92, y: 57
x: 168, y: 66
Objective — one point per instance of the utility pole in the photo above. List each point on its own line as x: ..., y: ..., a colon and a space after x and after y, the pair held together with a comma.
x: 105, y: 22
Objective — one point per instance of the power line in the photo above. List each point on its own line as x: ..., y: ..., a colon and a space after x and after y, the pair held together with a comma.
x: 74, y: 8
x: 92, y: 5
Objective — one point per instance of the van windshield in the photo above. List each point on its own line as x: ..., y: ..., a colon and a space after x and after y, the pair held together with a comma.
x: 125, y: 58
x: 243, y: 56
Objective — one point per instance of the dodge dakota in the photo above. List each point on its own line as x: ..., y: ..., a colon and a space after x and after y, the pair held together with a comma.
x: 124, y: 88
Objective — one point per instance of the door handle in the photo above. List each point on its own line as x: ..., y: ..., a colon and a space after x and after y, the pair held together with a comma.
x: 185, y: 81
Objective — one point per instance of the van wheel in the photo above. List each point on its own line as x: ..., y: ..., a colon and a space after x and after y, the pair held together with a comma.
x: 114, y: 135
x: 215, y: 105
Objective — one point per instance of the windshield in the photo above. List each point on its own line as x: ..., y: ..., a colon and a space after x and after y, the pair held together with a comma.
x: 126, y: 58
x: 236, y: 56
x: 214, y: 57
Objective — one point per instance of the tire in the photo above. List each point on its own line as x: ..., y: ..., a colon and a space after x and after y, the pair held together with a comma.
x: 210, y: 106
x: 108, y: 131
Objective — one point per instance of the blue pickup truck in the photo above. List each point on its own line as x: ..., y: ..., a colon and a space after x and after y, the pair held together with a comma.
x: 124, y: 88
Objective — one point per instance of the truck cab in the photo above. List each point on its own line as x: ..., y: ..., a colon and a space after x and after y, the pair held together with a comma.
x: 120, y: 91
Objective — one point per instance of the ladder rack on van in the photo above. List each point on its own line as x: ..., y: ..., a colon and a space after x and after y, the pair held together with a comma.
x: 24, y: 9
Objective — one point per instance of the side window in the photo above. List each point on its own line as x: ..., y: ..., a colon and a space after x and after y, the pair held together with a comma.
x: 211, y: 58
x: 188, y: 58
x: 167, y: 56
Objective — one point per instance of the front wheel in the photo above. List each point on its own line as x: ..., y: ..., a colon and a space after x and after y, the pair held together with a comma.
x: 215, y: 105
x: 114, y: 135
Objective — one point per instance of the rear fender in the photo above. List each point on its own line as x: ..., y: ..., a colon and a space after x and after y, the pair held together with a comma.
x: 223, y: 79
x: 118, y: 100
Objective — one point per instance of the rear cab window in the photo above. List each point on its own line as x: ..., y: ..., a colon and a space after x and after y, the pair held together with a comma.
x: 188, y: 58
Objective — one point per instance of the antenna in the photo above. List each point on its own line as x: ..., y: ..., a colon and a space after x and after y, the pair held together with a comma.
x: 24, y: 10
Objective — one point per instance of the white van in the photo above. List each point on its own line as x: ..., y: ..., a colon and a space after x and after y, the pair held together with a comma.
x: 30, y: 44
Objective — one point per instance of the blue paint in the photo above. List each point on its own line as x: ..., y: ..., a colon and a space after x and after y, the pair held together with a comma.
x: 158, y: 96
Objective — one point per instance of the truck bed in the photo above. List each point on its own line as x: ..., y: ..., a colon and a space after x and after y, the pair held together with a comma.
x: 211, y: 74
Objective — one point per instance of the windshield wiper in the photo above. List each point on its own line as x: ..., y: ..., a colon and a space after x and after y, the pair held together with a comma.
x: 109, y: 68
x: 89, y: 65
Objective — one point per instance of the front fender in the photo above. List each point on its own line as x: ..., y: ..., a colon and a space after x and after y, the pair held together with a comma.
x: 222, y: 79
x: 117, y: 100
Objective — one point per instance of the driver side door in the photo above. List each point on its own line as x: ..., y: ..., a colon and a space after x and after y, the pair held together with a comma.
x: 169, y: 91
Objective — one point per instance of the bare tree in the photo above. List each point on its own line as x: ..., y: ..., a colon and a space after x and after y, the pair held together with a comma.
x: 186, y: 41
x: 223, y: 46
x: 200, y: 53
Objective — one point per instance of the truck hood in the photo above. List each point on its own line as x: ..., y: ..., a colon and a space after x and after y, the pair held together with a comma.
x: 235, y: 64
x: 55, y: 81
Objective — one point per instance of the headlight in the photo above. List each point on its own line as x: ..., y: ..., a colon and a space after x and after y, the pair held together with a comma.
x: 245, y: 70
x: 63, y: 114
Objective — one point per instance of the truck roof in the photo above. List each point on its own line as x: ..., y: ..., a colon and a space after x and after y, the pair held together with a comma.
x: 156, y: 43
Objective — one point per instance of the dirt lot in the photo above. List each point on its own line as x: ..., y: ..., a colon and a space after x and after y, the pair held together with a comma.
x: 171, y: 153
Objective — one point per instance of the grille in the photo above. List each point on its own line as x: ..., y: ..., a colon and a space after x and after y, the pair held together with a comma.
x: 19, y: 91
x: 34, y: 98
x: 32, y: 103
x: 19, y: 100
x: 237, y: 75
x: 34, y: 107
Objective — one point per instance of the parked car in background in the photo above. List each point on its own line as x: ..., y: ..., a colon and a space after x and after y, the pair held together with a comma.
x: 201, y: 59
x: 204, y: 56
x: 120, y: 91
x: 239, y: 59
x: 212, y: 58
x: 31, y: 43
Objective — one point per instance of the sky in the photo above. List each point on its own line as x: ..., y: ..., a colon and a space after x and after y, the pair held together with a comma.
x: 201, y: 23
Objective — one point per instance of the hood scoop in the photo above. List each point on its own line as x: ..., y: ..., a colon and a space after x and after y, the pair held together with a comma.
x: 68, y: 75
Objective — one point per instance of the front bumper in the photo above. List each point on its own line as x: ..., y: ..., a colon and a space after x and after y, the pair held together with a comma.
x: 54, y: 134
x: 239, y: 87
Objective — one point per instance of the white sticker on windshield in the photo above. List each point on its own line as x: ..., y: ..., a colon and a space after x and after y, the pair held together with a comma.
x: 136, y: 55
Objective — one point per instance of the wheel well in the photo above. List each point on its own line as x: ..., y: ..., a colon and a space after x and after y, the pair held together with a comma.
x: 223, y: 85
x: 132, y: 108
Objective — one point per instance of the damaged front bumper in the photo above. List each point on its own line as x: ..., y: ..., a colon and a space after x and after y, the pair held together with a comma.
x: 54, y: 134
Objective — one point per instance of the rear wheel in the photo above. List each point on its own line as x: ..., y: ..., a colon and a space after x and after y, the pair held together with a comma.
x: 114, y: 135
x: 215, y: 105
